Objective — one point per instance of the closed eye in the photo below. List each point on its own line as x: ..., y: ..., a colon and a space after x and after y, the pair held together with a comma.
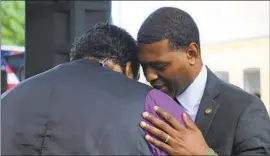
x: 159, y: 66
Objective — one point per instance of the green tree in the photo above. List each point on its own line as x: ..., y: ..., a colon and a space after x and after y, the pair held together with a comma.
x: 13, y: 23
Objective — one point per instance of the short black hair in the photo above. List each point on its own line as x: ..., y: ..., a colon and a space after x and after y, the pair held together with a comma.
x: 105, y: 40
x: 169, y: 23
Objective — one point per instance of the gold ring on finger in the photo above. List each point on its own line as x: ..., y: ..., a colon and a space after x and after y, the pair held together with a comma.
x: 167, y: 138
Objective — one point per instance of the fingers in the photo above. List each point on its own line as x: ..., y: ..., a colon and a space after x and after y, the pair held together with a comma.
x: 159, y: 144
x: 156, y: 132
x: 159, y: 123
x: 188, y: 122
x: 169, y: 118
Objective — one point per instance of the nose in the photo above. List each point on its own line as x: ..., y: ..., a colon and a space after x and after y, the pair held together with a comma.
x: 150, y: 74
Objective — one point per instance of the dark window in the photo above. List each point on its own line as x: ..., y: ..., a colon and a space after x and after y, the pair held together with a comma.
x: 252, y: 81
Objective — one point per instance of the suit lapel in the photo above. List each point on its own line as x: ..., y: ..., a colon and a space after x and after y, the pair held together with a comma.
x: 208, y: 106
x: 207, y: 111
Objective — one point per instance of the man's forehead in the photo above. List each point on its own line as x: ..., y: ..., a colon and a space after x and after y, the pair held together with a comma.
x: 156, y: 52
x: 151, y: 58
x: 163, y: 44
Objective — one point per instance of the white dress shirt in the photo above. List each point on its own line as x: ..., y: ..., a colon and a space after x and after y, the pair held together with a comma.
x: 191, y: 98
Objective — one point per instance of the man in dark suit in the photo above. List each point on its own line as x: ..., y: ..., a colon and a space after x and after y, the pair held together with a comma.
x: 229, y: 121
x: 89, y: 106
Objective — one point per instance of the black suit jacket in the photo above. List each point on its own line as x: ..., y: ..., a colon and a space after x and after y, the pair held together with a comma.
x: 238, y: 124
x: 77, y: 108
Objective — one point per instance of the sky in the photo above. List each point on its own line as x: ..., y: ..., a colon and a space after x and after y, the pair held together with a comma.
x: 218, y: 21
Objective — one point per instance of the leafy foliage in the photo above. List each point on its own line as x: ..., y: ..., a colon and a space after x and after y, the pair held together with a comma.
x: 13, y: 22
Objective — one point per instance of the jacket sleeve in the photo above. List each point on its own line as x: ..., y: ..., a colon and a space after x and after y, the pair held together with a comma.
x: 160, y: 99
x: 253, y: 131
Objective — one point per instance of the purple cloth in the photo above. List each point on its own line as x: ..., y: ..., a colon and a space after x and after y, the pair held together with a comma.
x: 160, y: 99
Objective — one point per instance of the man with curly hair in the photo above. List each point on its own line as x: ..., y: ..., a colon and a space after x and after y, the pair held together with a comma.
x: 89, y: 106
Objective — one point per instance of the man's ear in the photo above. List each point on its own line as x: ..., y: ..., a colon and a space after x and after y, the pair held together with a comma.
x: 192, y: 53
x: 128, y: 70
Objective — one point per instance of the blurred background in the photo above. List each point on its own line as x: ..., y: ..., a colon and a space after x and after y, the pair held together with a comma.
x: 234, y: 35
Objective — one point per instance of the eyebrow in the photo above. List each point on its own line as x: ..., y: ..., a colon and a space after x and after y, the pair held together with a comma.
x: 155, y: 63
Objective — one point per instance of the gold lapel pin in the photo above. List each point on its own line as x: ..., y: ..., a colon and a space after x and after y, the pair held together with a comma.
x: 208, y: 111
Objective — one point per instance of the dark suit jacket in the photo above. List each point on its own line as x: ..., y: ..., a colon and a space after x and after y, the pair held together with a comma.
x: 77, y: 108
x: 239, y: 122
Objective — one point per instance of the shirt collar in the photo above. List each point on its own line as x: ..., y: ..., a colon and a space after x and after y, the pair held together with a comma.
x: 191, y: 97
